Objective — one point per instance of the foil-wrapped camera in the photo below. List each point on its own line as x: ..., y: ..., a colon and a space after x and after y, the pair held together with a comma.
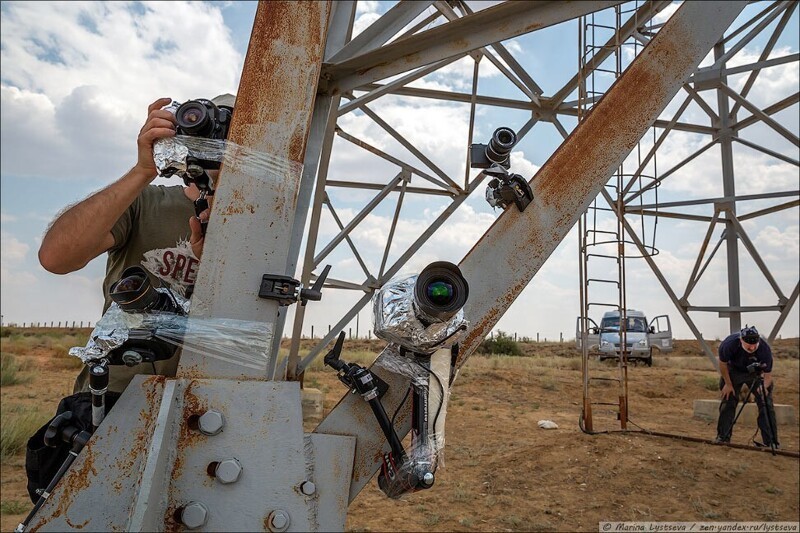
x: 422, y: 313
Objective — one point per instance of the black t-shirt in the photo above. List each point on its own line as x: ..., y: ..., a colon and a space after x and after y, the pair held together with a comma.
x: 731, y: 352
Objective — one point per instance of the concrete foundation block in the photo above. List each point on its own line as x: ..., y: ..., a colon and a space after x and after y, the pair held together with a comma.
x: 709, y: 409
x: 313, y: 400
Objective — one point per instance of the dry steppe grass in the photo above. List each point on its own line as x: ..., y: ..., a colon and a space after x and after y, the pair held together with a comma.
x: 502, y: 473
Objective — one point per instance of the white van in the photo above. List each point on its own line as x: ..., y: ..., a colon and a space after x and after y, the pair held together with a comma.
x: 640, y: 336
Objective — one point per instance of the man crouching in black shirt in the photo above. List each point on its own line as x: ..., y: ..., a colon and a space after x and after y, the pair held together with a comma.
x: 741, y: 356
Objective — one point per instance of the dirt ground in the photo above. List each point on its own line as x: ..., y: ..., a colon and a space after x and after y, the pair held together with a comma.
x: 503, y: 473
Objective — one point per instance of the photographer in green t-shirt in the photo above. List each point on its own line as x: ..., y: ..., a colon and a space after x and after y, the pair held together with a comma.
x: 131, y: 220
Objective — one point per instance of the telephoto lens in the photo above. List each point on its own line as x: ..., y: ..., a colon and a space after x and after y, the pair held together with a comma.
x: 440, y: 291
x: 135, y: 294
x: 499, y: 148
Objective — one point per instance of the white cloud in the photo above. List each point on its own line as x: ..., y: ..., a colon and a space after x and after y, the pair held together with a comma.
x: 72, y: 107
x: 13, y: 250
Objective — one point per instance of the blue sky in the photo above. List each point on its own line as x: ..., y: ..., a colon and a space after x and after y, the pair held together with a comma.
x: 77, y: 79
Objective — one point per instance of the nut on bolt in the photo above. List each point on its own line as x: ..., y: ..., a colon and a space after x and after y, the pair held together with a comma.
x: 211, y: 422
x: 194, y: 515
x: 228, y: 470
x: 308, y: 488
x: 278, y: 521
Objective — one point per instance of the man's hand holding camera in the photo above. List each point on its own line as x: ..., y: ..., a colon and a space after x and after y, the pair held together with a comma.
x: 160, y: 124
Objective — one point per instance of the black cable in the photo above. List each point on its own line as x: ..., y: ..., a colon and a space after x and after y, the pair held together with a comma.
x: 401, y: 405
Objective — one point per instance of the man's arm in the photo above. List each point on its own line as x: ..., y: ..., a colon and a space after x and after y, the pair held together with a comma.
x: 83, y: 231
x: 727, y: 389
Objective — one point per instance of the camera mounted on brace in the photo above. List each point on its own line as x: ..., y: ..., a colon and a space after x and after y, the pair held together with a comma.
x: 505, y: 188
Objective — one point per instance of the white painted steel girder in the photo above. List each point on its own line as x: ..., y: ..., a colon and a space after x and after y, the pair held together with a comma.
x: 513, y: 249
x: 253, y: 214
x: 149, y: 459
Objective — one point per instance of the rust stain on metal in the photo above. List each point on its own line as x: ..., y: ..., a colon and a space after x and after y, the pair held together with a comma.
x: 152, y: 389
x: 75, y: 481
x: 77, y: 526
x: 275, y: 49
x: 192, y: 405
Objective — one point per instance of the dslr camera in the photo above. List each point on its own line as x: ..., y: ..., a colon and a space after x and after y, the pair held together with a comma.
x: 754, y: 366
x: 135, y: 294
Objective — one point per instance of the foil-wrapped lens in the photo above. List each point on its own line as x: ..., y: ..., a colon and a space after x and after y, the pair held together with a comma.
x: 440, y: 291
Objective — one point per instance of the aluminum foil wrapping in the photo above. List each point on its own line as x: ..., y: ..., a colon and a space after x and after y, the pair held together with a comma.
x: 111, y: 331
x: 170, y: 156
x: 396, y: 319
x: 221, y: 338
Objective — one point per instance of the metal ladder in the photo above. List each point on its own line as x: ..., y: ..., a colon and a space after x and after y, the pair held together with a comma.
x: 601, y: 235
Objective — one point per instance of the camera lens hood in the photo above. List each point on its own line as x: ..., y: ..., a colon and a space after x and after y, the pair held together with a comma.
x: 440, y: 291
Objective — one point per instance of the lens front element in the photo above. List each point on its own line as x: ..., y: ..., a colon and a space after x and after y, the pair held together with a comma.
x: 440, y: 292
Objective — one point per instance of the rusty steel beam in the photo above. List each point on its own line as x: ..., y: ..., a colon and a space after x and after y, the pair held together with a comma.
x: 515, y: 247
x: 254, y: 204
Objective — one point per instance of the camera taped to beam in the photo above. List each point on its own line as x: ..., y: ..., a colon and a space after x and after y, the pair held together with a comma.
x: 504, y: 188
x: 422, y: 319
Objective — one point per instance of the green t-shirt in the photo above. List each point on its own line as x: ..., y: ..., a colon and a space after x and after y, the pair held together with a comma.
x: 149, y: 234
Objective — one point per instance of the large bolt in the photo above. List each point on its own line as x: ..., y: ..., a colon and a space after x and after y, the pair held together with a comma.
x: 278, y: 521
x: 308, y: 488
x: 228, y: 470
x: 194, y: 515
x: 211, y: 422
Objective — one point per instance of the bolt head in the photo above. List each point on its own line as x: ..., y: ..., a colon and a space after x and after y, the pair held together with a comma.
x: 211, y: 422
x: 229, y: 470
x: 278, y: 521
x: 428, y: 479
x: 194, y: 515
x: 308, y: 488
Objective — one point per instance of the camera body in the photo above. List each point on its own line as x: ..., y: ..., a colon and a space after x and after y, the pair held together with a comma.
x: 203, y: 118
x: 754, y: 366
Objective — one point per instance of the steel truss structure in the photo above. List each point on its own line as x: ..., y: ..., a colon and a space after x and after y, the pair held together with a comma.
x: 151, y: 460
x: 414, y: 41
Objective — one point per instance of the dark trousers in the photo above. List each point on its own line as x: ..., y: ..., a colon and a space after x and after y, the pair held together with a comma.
x: 727, y: 409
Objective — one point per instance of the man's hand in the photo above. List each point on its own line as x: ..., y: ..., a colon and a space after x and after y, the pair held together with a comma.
x: 727, y: 390
x: 160, y: 124
x: 197, y: 238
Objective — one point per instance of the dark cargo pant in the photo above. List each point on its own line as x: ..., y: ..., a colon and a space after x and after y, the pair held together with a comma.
x: 727, y: 409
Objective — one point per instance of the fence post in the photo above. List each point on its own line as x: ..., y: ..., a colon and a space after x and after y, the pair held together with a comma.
x: 561, y: 337
x: 515, y: 336
x: 329, y: 328
x: 369, y: 334
x: 537, y: 336
x: 81, y: 323
x: 349, y: 333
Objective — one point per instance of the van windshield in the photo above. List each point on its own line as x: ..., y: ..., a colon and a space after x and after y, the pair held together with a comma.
x: 637, y: 324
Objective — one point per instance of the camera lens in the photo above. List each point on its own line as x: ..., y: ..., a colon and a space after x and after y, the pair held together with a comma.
x: 133, y: 292
x: 440, y: 291
x: 499, y: 147
x: 194, y: 118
